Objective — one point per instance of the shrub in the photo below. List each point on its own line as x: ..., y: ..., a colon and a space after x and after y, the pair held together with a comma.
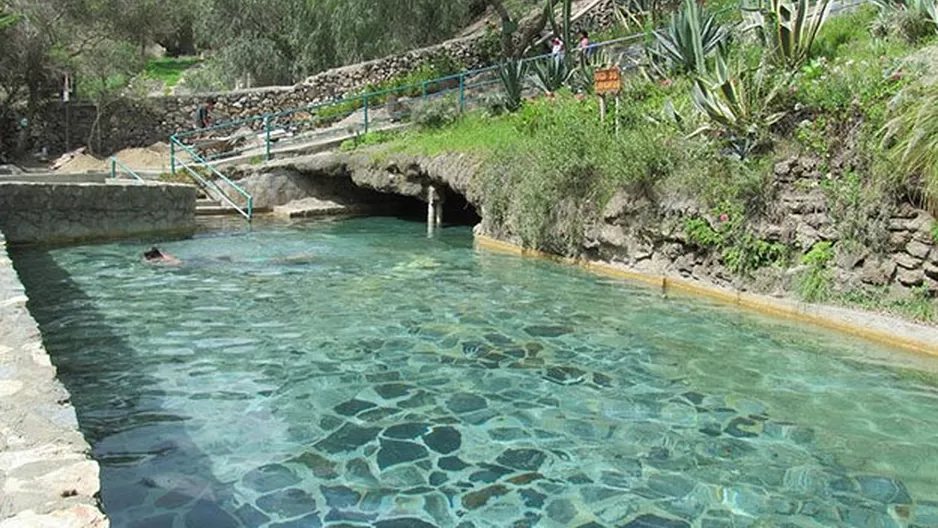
x: 549, y: 182
x: 913, y: 20
x: 435, y: 113
x: 911, y: 140
x: 815, y: 283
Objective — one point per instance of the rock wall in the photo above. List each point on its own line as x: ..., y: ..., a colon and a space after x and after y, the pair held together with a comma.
x: 650, y: 236
x: 321, y: 175
x: 46, y: 476
x: 141, y: 122
x: 53, y: 213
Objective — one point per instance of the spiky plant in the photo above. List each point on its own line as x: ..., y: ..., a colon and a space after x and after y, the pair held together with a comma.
x: 550, y: 74
x: 788, y: 28
x: 691, y: 36
x: 512, y: 74
x: 738, y: 104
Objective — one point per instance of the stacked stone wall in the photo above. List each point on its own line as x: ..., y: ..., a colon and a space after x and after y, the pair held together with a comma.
x: 33, y: 213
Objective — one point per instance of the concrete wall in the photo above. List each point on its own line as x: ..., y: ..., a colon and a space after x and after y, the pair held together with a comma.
x: 62, y: 212
x: 46, y: 476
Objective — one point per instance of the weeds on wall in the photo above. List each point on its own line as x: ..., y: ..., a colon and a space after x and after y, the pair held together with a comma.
x: 815, y: 282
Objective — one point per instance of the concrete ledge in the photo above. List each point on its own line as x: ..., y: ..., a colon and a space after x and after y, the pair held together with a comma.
x: 51, y: 213
x: 53, y: 177
x: 874, y: 327
x: 46, y: 476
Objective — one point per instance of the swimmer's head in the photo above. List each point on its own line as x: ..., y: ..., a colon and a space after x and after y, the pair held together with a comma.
x: 153, y: 254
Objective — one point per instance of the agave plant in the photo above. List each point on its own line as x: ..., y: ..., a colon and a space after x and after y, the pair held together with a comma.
x: 691, y: 36
x: 551, y: 74
x: 512, y: 74
x: 738, y: 104
x: 582, y: 77
x: 788, y: 28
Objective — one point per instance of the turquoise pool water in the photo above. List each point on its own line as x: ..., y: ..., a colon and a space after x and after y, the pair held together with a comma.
x: 384, y: 379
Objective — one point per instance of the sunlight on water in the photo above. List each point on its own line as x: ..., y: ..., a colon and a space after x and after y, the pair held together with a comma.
x: 355, y: 373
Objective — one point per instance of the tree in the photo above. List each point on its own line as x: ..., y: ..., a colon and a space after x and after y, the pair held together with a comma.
x: 517, y: 36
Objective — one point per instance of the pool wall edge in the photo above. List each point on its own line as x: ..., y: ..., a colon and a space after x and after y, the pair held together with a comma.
x: 870, y: 326
x: 47, y: 478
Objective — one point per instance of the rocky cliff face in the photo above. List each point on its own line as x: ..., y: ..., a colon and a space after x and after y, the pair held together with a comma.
x: 652, y: 237
x: 283, y: 181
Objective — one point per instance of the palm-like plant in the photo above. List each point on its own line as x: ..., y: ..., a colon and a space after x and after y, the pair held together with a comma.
x: 738, y: 105
x: 691, y: 36
x: 512, y: 74
x: 788, y: 28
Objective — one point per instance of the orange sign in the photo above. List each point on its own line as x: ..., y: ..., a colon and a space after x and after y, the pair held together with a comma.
x: 608, y: 80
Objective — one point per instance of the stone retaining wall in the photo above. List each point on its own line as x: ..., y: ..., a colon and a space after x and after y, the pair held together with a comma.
x: 61, y: 212
x: 142, y: 122
x: 46, y: 476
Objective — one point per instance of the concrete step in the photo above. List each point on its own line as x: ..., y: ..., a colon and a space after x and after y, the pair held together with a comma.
x: 215, y: 210
x: 202, y: 202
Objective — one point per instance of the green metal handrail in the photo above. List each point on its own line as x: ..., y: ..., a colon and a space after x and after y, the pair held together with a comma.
x: 247, y: 211
x: 117, y: 165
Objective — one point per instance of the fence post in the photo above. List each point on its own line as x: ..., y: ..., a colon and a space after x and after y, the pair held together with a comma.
x: 462, y: 92
x: 113, y: 167
x: 266, y: 138
x: 424, y: 87
x: 172, y: 155
x: 365, y: 105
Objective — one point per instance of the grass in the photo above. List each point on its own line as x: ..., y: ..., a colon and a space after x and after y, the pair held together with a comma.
x: 918, y: 306
x: 168, y: 69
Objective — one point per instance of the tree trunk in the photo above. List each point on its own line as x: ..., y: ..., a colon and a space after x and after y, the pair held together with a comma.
x: 513, y: 47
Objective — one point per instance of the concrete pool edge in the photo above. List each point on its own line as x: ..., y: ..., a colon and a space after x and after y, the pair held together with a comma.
x: 870, y: 326
x: 47, y: 478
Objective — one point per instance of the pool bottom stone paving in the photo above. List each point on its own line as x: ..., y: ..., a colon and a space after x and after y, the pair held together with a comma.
x: 398, y: 382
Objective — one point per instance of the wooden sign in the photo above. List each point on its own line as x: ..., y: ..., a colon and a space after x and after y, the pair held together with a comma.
x: 608, y: 80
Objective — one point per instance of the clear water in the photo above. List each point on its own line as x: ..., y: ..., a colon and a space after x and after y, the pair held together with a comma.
x: 393, y: 381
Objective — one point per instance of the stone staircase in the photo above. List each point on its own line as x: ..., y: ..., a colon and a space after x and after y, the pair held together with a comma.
x: 205, y: 206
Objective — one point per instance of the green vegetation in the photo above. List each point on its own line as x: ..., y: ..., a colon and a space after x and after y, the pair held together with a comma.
x: 815, y: 284
x: 688, y: 40
x: 168, y: 70
x: 920, y: 306
x: 836, y: 94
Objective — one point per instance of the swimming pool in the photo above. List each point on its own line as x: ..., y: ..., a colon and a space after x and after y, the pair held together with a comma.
x: 355, y: 373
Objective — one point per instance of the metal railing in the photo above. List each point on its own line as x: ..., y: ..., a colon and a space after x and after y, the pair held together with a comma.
x: 118, y: 168
x: 195, y: 167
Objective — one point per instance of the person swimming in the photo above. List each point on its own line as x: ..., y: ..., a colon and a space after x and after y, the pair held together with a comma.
x: 157, y: 257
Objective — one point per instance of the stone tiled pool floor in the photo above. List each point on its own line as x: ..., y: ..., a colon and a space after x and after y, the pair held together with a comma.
x: 392, y: 381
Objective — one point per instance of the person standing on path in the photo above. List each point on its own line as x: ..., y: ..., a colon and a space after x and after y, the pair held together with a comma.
x: 584, y: 43
x: 556, y: 48
x: 203, y: 116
